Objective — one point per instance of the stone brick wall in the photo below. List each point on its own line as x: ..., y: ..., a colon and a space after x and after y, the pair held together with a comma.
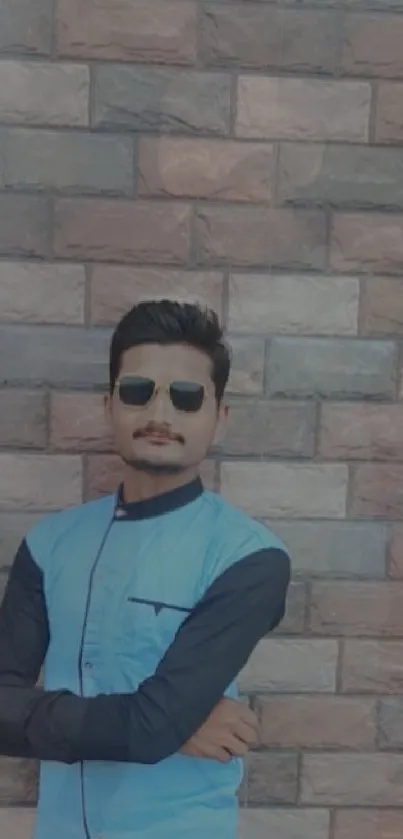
x: 249, y: 154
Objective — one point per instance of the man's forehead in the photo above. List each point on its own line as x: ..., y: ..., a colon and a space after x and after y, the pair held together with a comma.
x: 166, y: 359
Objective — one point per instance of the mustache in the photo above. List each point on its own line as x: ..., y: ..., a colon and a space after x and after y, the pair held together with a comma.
x: 163, y: 432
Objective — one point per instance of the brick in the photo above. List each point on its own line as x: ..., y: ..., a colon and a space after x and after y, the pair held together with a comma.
x: 382, y: 306
x: 302, y: 304
x: 302, y: 109
x: 23, y: 225
x: 259, y: 236
x: 311, y: 722
x: 270, y: 778
x: 143, y: 31
x: 13, y: 782
x: 37, y: 93
x: 372, y: 46
x: 331, y: 368
x: 278, y: 429
x: 389, y: 113
x: 353, y: 608
x: 390, y: 722
x: 374, y: 667
x: 13, y: 528
x: 38, y: 481
x: 395, y: 552
x: 23, y: 419
x: 150, y: 99
x: 246, y: 376
x: 367, y: 242
x: 72, y: 162
x: 294, y: 619
x: 37, y: 293
x: 17, y: 822
x: 78, y: 422
x: 104, y: 473
x: 283, y: 490
x: 259, y: 36
x: 377, y: 491
x: 341, y: 175
x: 295, y: 823
x: 346, y: 779
x: 288, y: 665
x: 207, y: 474
x: 361, y: 432
x: 121, y: 230
x: 227, y: 170
x: 25, y: 27
x: 115, y: 288
x: 334, y: 550
x: 368, y: 824
x: 71, y: 357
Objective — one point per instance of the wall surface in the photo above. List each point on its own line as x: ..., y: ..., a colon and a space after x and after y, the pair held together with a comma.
x: 248, y: 154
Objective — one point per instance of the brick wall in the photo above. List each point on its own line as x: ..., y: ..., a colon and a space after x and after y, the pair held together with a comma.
x: 248, y: 154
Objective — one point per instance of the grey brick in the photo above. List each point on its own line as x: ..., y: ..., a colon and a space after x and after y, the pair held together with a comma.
x: 352, y: 550
x: 161, y: 100
x: 25, y: 26
x: 274, y: 428
x: 282, y: 823
x: 23, y: 225
x: 391, y: 722
x: 58, y: 356
x: 13, y: 528
x: 343, y: 368
x: 270, y: 778
x: 73, y: 162
x: 341, y: 175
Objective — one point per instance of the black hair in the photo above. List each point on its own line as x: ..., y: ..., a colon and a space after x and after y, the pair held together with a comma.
x: 171, y: 322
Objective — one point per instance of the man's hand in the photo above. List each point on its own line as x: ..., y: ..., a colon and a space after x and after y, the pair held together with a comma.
x: 230, y: 730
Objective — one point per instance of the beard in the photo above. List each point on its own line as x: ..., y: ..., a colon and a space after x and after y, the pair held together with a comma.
x: 141, y: 464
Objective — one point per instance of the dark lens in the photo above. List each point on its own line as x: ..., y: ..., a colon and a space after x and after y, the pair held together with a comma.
x: 187, y: 396
x: 135, y: 390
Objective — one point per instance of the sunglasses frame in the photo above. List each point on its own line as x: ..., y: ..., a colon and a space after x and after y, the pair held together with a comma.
x: 156, y: 390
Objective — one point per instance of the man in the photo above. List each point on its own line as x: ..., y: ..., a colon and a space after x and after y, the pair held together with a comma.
x: 143, y: 606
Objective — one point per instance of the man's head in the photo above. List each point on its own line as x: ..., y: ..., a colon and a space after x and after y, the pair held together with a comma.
x: 169, y: 367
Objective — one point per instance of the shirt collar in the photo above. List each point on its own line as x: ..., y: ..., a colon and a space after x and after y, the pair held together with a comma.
x: 167, y: 502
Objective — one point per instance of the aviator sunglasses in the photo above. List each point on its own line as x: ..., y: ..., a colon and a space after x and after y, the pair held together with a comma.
x: 138, y: 391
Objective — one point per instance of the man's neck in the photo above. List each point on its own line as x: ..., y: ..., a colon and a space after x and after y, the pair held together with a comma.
x: 138, y: 486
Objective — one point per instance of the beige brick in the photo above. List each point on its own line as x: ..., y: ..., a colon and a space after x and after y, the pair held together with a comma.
x: 17, y: 822
x: 270, y: 778
x: 122, y: 230
x: 372, y: 46
x: 361, y: 432
x: 377, y: 491
x: 115, y: 289
x: 290, y: 665
x: 146, y: 30
x: 104, y: 473
x: 382, y: 306
x: 78, y: 422
x: 23, y: 225
x: 389, y: 113
x: 352, y: 608
x: 15, y: 782
x: 295, y: 823
x: 302, y: 109
x: 37, y: 293
x: 23, y: 420
x: 306, y: 304
x: 368, y: 824
x: 311, y: 722
x: 367, y: 242
x: 280, y: 429
x: 344, y: 779
x: 36, y: 93
x: 216, y: 169
x: 37, y: 481
x: 286, y: 490
x: 247, y: 365
x: 372, y: 667
x: 259, y: 236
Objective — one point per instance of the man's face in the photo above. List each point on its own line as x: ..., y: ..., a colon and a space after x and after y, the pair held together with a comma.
x: 158, y: 437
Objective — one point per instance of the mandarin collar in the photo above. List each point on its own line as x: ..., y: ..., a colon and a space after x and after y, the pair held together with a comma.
x: 159, y: 505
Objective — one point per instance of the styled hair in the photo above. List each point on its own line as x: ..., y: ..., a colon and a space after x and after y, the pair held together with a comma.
x: 171, y: 322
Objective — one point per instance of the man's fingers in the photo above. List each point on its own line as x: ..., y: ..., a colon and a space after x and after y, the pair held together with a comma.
x: 246, y: 732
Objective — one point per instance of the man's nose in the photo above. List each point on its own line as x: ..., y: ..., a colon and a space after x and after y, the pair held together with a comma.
x: 161, y: 408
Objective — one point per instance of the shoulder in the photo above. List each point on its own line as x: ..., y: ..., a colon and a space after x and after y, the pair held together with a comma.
x: 44, y: 536
x: 236, y: 536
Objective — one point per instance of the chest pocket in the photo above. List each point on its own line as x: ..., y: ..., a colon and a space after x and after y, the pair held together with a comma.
x: 148, y: 627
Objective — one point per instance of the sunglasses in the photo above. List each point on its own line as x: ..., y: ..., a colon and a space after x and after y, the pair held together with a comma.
x: 138, y: 391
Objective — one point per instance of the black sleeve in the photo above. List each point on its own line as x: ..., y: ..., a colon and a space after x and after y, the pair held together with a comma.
x: 211, y: 647
x: 24, y: 639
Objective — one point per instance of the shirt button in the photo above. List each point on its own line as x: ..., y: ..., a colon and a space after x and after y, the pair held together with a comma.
x: 88, y: 665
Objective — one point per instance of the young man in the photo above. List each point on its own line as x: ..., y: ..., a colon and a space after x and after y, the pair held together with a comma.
x: 143, y: 606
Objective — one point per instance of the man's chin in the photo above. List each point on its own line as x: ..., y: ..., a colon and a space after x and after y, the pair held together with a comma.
x: 150, y: 467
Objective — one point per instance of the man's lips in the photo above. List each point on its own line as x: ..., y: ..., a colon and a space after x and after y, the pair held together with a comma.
x: 157, y: 437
